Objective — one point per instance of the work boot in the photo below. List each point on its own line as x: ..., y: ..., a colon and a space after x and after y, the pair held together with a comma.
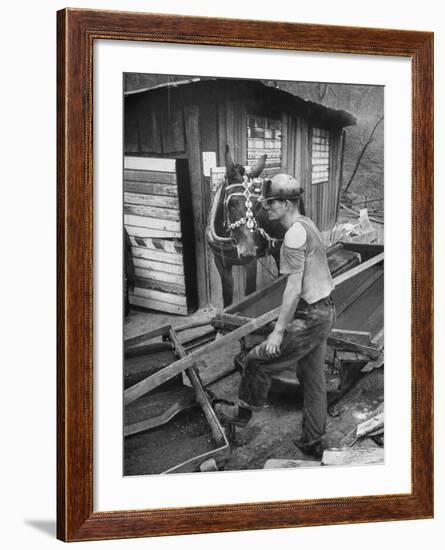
x: 231, y: 413
x: 314, y: 449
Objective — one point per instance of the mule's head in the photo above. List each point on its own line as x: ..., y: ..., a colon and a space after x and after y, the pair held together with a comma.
x: 243, y: 229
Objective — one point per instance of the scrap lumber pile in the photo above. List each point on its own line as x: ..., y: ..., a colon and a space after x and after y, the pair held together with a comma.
x: 373, y: 427
x: 331, y: 457
x: 349, y: 452
x: 357, y: 341
x: 352, y: 457
x: 361, y: 232
x: 155, y: 407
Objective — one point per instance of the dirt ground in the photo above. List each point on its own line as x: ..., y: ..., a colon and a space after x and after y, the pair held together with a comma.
x: 270, y: 433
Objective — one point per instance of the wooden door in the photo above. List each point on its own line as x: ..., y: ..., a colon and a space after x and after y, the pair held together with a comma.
x: 159, y: 220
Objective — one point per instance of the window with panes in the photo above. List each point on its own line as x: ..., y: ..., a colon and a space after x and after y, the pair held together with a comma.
x: 320, y: 155
x: 264, y: 137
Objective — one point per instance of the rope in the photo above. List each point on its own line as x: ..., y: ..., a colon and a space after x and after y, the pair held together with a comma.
x: 261, y: 260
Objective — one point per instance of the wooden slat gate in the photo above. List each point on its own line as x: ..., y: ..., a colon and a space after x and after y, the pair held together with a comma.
x: 157, y: 217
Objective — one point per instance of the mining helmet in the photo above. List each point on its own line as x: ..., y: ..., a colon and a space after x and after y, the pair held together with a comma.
x: 281, y: 187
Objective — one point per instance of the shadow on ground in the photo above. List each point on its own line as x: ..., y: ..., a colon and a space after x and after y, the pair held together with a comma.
x: 46, y: 526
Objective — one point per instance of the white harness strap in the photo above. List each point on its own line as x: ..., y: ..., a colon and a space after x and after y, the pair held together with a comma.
x: 248, y: 192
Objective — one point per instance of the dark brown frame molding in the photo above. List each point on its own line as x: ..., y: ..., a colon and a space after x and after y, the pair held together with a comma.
x: 77, y: 30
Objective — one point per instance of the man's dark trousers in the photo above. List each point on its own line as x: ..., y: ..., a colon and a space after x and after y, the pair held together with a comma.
x: 304, y: 341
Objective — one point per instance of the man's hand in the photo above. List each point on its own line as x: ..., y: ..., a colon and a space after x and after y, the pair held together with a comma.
x: 273, y: 344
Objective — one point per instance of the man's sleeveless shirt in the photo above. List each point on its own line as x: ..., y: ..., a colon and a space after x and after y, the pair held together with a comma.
x: 312, y: 260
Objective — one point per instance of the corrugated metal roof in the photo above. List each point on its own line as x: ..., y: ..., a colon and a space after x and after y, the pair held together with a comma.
x: 173, y: 84
x: 338, y: 117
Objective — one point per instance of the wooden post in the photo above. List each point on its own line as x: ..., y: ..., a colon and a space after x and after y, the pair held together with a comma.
x: 305, y: 168
x: 193, y: 141
x: 340, y: 177
x: 284, y: 142
x: 201, y: 396
x: 222, y: 134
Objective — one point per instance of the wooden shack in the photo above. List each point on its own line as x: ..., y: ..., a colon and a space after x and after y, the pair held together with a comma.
x: 190, y: 122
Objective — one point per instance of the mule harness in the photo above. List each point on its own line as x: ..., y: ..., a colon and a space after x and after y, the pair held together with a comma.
x: 251, y: 189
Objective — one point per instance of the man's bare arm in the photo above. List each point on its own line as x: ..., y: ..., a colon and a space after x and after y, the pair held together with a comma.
x: 291, y: 297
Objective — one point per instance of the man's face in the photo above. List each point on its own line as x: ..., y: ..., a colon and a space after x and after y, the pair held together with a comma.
x: 276, y: 209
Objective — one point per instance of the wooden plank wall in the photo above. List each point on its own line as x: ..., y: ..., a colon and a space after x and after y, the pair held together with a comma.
x: 232, y: 130
x: 158, y: 128
x: 152, y: 220
x: 320, y: 198
x: 153, y: 129
x: 295, y: 154
x: 324, y: 195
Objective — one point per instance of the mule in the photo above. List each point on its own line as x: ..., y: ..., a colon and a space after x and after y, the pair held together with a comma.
x: 239, y: 230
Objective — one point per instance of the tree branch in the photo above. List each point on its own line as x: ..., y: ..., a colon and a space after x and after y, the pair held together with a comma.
x: 362, y: 152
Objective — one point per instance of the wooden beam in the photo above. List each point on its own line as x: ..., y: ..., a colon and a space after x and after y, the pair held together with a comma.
x: 357, y: 336
x: 164, y: 330
x: 152, y: 211
x: 355, y: 457
x: 175, y: 368
x: 222, y: 133
x: 257, y: 295
x: 162, y: 276
x: 274, y: 463
x: 379, y: 339
x: 150, y: 233
x: 157, y: 305
x: 356, y: 270
x: 155, y: 333
x: 284, y: 140
x: 348, y: 345
x: 370, y: 425
x: 152, y: 223
x: 351, y: 298
x: 155, y: 265
x: 193, y: 144
x: 201, y: 396
x: 151, y: 200
x: 149, y: 164
x: 165, y: 286
x: 150, y: 189
x: 374, y: 364
x: 157, y: 255
x: 178, y: 299
x: 230, y: 322
x: 183, y: 402
x: 166, y: 245
x: 199, y: 341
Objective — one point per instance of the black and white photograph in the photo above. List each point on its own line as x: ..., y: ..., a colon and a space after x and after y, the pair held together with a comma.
x: 253, y: 288
x: 221, y: 219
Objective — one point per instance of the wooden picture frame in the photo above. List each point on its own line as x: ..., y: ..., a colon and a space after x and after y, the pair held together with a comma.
x: 77, y: 31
